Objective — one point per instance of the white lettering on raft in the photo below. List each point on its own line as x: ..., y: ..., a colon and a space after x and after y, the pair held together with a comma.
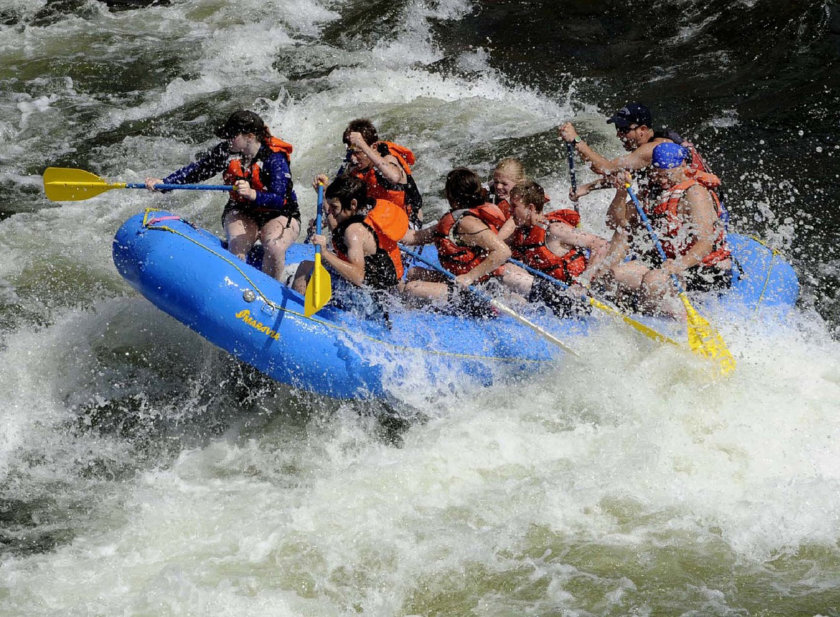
x: 245, y: 315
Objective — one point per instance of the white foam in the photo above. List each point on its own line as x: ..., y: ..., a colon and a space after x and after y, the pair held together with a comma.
x: 300, y: 508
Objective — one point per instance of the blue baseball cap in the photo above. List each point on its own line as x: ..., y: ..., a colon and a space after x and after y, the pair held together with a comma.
x: 668, y: 155
x: 632, y: 113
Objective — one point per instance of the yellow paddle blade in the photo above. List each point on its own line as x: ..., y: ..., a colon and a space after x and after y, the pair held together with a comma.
x: 704, y: 340
x: 647, y: 331
x: 63, y: 184
x: 318, y: 290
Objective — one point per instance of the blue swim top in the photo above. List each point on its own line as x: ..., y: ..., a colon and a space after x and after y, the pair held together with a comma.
x: 668, y: 155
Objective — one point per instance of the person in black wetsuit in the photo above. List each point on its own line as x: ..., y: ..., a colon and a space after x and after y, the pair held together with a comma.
x: 263, y: 203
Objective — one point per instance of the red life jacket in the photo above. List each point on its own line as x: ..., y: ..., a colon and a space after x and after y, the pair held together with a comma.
x: 404, y: 195
x: 459, y: 259
x: 235, y: 170
x: 505, y: 207
x: 668, y: 225
x: 388, y: 223
x: 649, y: 191
x: 528, y: 245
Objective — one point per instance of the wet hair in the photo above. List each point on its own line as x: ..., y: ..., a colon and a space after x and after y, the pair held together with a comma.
x: 363, y: 126
x: 346, y: 189
x: 512, y: 166
x: 531, y: 193
x: 243, y: 122
x: 463, y: 188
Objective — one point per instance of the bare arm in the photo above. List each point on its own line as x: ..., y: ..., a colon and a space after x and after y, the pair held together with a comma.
x: 632, y: 161
x: 638, y: 159
x: 388, y: 166
x: 699, y: 210
x: 506, y: 231
x: 620, y: 219
x: 415, y: 237
x: 585, y: 189
x: 472, y: 231
x: 571, y: 236
x: 353, y: 269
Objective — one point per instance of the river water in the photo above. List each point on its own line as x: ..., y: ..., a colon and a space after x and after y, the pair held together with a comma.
x: 144, y: 472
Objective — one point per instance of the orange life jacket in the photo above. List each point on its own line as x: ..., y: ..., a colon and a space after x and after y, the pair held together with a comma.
x: 668, y: 225
x: 505, y: 207
x: 388, y: 223
x: 236, y: 171
x: 459, y: 259
x: 528, y: 245
x: 404, y: 195
x: 648, y: 190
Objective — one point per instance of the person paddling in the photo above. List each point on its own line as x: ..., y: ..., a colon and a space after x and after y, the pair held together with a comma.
x: 550, y: 242
x: 687, y: 221
x: 364, y: 234
x: 468, y: 245
x: 384, y: 166
x: 263, y: 203
x: 634, y: 127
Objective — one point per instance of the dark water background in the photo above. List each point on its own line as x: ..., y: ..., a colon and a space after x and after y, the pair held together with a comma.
x: 143, y: 471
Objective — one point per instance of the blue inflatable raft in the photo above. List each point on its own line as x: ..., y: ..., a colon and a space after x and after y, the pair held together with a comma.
x: 186, y: 272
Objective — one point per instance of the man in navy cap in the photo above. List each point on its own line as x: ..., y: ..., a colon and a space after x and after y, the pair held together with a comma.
x: 634, y: 127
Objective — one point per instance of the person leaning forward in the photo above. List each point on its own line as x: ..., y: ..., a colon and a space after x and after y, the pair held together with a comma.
x: 468, y: 244
x: 364, y: 233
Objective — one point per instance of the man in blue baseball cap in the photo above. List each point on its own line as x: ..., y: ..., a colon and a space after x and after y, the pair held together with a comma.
x: 686, y: 219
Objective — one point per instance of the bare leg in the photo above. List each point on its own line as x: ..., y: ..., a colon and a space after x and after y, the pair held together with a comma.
x: 304, y: 271
x: 241, y: 233
x: 428, y: 290
x: 658, y: 295
x: 625, y: 280
x: 277, y: 236
x: 517, y: 279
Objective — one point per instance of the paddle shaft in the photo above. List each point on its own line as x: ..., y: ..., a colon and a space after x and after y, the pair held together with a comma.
x: 181, y: 187
x: 654, y: 238
x: 600, y: 305
x: 66, y: 184
x: 319, y: 287
x: 570, y: 152
x: 319, y: 210
x: 494, y: 303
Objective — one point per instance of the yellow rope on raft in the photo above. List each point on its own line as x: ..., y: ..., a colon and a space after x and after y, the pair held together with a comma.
x: 328, y: 324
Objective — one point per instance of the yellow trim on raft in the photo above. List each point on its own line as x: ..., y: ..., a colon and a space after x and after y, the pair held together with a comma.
x: 328, y: 324
x: 774, y: 255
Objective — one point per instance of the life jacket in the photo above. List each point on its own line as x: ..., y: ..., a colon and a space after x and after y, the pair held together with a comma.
x: 697, y: 163
x: 528, y: 245
x: 405, y: 195
x: 650, y: 191
x: 253, y: 174
x: 387, y: 222
x: 459, y: 259
x: 668, y: 225
x: 505, y: 207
